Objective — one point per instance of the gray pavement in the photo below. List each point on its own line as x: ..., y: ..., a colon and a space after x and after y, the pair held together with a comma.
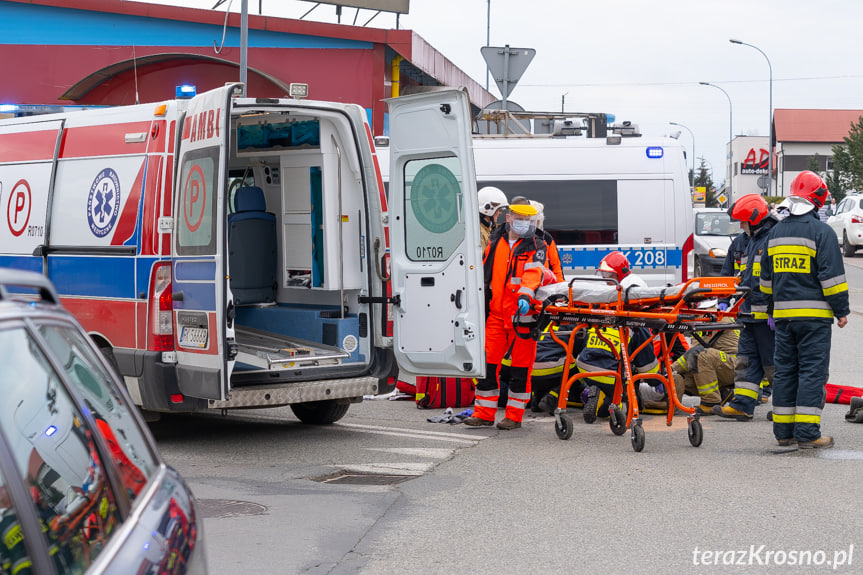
x: 486, y: 501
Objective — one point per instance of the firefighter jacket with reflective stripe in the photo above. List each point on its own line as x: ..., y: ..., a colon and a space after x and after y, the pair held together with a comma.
x: 512, y: 271
x: 751, y: 265
x: 727, y: 340
x: 732, y: 266
x: 598, y: 356
x: 803, y: 275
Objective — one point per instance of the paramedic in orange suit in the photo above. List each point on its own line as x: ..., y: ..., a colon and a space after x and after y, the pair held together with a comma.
x: 513, y: 265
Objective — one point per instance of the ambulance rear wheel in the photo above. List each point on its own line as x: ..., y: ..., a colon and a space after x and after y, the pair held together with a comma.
x: 617, y: 421
x: 637, y: 438
x: 696, y: 433
x: 320, y: 412
x: 564, y: 428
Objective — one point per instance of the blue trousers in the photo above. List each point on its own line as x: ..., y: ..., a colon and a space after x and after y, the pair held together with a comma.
x: 802, y: 368
x: 755, y: 350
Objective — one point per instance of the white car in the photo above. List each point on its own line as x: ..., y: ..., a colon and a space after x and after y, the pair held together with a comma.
x: 714, y: 231
x: 847, y: 222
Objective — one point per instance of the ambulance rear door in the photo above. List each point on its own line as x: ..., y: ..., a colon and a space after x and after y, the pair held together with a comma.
x: 437, y: 286
x: 202, y: 302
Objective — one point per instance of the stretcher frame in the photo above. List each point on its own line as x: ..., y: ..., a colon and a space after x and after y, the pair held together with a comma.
x: 665, y: 315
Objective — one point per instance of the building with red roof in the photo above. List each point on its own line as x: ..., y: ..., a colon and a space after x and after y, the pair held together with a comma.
x: 799, y: 135
x: 56, y: 53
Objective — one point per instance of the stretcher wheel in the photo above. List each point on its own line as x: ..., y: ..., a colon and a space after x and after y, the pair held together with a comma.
x: 563, y: 426
x: 696, y: 433
x: 637, y: 438
x: 617, y: 421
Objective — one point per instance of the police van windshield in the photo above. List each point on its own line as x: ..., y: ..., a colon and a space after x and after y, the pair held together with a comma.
x: 716, y: 224
x: 577, y: 212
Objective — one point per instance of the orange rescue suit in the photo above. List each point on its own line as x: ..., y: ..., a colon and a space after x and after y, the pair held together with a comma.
x: 510, y: 272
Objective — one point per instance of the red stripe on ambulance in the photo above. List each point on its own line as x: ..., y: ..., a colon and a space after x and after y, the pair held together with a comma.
x: 114, y: 319
x: 28, y: 146
x: 104, y: 140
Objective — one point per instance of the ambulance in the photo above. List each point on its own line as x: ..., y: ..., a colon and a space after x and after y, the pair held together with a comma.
x: 232, y: 252
x: 603, y: 190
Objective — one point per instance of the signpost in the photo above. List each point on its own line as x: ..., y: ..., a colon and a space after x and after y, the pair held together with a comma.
x: 506, y: 66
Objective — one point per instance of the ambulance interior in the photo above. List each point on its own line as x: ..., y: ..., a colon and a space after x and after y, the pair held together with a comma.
x: 296, y: 235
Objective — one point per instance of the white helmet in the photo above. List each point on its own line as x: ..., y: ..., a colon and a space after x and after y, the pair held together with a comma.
x: 540, y: 216
x: 490, y: 199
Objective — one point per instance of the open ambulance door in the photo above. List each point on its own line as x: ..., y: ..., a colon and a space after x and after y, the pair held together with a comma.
x: 202, y: 302
x: 437, y: 285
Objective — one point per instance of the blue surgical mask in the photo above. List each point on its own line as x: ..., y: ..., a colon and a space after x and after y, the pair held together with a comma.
x: 520, y: 227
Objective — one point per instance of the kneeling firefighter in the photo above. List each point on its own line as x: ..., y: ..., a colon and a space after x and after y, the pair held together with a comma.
x: 602, y: 349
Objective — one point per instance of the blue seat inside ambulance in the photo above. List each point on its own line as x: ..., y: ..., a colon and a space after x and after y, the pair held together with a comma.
x: 252, y: 248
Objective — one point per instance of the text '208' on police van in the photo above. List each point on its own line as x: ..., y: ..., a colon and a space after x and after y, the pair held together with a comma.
x: 604, y: 187
x: 231, y: 252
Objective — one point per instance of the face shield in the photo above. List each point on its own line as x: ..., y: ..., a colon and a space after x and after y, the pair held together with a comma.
x: 521, y: 220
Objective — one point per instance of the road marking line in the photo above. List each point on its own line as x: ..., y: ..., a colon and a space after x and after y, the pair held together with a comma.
x: 419, y: 436
x: 434, y: 433
x: 431, y: 452
x: 388, y: 468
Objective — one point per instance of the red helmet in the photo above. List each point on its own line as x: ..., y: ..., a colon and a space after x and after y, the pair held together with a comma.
x: 614, y: 266
x: 751, y: 208
x: 810, y: 186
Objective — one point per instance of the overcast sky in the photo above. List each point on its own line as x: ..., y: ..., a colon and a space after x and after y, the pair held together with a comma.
x: 642, y: 61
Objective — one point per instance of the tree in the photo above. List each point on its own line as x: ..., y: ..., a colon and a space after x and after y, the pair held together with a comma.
x: 704, y: 180
x: 814, y: 164
x: 847, y: 163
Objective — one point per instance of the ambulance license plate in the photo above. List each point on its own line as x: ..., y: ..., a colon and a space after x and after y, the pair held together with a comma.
x: 194, y: 337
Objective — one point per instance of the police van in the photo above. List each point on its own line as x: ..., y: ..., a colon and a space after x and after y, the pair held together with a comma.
x: 603, y: 190
x: 233, y: 252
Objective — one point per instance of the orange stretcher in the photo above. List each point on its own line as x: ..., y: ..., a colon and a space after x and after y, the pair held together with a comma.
x: 592, y: 303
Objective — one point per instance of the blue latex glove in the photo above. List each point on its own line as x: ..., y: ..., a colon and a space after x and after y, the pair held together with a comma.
x: 770, y: 323
x: 523, y: 306
x: 722, y: 306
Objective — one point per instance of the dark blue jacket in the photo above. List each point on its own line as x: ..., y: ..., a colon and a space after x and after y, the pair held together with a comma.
x: 803, y: 275
x: 731, y: 265
x: 751, y: 263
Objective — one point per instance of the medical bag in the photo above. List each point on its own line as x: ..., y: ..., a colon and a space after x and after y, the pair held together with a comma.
x: 438, y: 392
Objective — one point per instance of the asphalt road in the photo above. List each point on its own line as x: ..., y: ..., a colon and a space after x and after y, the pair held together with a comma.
x: 487, y: 501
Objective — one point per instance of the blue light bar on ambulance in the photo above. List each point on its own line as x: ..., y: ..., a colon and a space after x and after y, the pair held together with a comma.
x: 8, y: 108
x: 655, y: 151
x: 50, y: 431
x: 186, y: 91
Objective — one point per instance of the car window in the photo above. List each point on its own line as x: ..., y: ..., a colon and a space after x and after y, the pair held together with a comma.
x: 56, y: 455
x: 715, y: 224
x: 14, y: 556
x: 128, y: 447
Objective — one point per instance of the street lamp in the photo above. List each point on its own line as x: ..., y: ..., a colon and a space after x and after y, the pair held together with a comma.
x: 770, y: 117
x: 692, y: 178
x: 730, y: 131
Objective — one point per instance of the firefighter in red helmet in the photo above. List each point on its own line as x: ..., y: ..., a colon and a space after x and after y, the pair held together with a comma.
x: 756, y: 344
x: 597, y: 355
x: 803, y: 279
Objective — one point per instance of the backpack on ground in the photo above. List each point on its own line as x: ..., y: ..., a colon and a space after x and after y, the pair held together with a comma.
x: 439, y: 392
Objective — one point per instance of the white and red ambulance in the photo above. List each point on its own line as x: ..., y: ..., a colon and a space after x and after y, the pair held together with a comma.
x: 232, y: 252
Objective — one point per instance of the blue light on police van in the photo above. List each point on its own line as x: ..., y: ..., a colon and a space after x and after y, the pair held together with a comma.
x: 186, y: 91
x: 655, y: 151
x: 50, y: 431
x: 8, y: 108
x: 609, y: 118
